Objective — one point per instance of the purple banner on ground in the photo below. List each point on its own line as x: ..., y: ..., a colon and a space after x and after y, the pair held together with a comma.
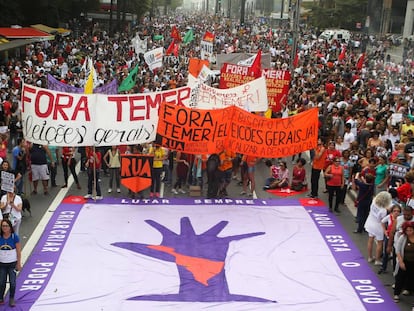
x: 148, y: 255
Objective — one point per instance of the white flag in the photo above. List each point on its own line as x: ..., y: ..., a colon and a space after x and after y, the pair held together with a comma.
x: 154, y: 57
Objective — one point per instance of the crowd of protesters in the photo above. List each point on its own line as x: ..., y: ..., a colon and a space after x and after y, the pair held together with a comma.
x: 364, y: 97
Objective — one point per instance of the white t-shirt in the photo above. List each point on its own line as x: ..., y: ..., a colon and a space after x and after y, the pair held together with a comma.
x: 9, y: 209
x: 373, y: 223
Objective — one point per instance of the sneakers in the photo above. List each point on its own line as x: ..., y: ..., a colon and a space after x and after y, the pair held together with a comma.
x: 157, y: 194
x: 243, y: 193
x: 406, y: 292
x: 88, y: 196
x: 118, y: 190
x: 250, y: 194
x: 173, y: 190
x: 12, y: 303
x: 98, y: 197
x: 396, y: 298
x: 378, y: 263
x: 371, y: 259
x: 266, y: 187
x: 109, y: 190
x: 181, y: 191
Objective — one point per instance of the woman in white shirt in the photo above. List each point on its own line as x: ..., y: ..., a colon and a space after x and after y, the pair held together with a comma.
x: 11, y: 206
x: 373, y: 225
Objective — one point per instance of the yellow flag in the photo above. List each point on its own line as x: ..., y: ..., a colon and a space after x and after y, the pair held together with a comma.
x: 89, y: 82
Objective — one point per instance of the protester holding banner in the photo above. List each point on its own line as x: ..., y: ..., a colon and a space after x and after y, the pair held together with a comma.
x: 11, y: 206
x: 10, y: 260
x: 93, y: 165
x: 112, y: 159
x: 159, y: 155
x: 249, y: 177
x: 69, y: 163
x: 182, y: 169
x: 225, y: 168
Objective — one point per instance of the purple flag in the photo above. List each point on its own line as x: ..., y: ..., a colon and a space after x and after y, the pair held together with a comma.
x: 108, y: 88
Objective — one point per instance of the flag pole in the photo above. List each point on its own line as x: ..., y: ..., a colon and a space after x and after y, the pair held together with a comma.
x: 94, y: 191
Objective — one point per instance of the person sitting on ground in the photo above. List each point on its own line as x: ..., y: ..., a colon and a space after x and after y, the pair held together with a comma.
x: 283, y: 177
x: 274, y: 174
x: 299, y: 175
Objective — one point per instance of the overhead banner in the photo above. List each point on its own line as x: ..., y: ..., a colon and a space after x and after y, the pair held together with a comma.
x: 277, y: 82
x: 193, y: 130
x: 68, y: 119
x: 250, y: 96
x: 211, y: 131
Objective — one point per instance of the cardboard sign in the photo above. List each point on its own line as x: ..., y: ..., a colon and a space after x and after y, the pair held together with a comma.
x: 397, y: 170
x: 136, y: 171
x: 7, y: 181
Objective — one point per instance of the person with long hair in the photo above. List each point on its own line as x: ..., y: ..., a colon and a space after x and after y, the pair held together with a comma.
x: 404, y: 269
x: 10, y: 260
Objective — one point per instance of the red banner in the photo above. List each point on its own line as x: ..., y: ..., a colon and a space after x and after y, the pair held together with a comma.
x: 232, y: 75
x: 277, y: 82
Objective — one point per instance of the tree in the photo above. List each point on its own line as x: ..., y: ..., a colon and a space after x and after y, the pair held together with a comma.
x: 338, y: 13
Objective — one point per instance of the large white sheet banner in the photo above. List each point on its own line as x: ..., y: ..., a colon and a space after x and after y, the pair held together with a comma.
x: 251, y: 96
x: 67, y: 119
x: 154, y: 57
x: 196, y: 255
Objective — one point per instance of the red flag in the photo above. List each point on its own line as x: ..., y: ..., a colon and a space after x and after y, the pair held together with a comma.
x: 208, y: 36
x: 175, y: 34
x: 175, y: 49
x: 342, y: 55
x: 256, y: 68
x: 296, y: 60
x: 361, y: 61
x: 170, y: 48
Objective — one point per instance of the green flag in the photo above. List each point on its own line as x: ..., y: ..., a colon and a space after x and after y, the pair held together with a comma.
x: 129, y: 82
x: 158, y: 37
x: 188, y: 37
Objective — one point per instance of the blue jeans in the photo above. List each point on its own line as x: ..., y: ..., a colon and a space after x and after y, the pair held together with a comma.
x: 95, y: 182
x: 7, y: 269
